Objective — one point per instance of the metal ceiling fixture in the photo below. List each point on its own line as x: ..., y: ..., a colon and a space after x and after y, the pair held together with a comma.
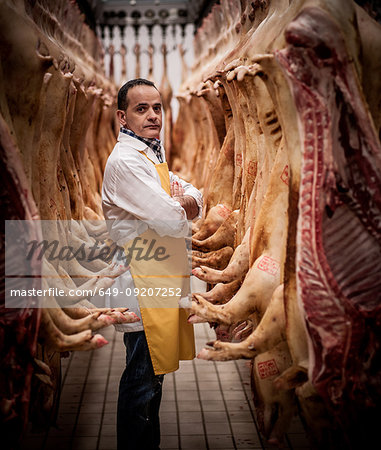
x: 122, y: 13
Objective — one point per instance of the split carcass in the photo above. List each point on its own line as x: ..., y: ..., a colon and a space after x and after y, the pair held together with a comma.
x: 298, y: 169
x: 56, y: 131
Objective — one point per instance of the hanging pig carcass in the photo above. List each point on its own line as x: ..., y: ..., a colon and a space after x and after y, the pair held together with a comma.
x: 299, y: 89
x: 56, y: 131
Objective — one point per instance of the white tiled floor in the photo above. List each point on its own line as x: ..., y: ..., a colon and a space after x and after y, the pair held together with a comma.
x: 205, y: 405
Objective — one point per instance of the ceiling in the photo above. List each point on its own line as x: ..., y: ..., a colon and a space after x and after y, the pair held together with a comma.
x: 148, y: 12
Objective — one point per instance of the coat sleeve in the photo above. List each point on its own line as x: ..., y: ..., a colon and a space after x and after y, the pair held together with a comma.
x: 189, y: 189
x: 139, y: 193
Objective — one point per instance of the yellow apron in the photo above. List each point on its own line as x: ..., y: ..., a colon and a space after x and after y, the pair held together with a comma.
x: 160, y: 281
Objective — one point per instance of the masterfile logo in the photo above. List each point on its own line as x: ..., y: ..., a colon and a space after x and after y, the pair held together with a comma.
x: 54, y: 251
x: 65, y: 261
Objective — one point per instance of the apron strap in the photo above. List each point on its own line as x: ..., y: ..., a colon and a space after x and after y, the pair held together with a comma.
x: 163, y: 172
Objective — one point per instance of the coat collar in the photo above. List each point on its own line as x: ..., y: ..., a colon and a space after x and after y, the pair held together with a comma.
x: 132, y: 142
x: 139, y: 146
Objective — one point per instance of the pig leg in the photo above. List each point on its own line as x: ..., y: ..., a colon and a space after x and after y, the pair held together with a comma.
x: 58, y: 341
x: 61, y: 280
x: 96, y: 229
x: 254, y: 294
x: 269, y: 332
x: 218, y: 259
x: 236, y: 269
x: 224, y: 236
x: 93, y: 320
x: 95, y: 262
x: 221, y: 293
x: 214, y: 219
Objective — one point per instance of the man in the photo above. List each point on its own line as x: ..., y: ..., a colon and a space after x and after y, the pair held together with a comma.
x: 147, y: 209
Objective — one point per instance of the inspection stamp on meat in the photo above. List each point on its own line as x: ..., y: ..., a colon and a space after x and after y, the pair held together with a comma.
x: 284, y: 175
x: 269, y: 265
x: 252, y: 168
x: 267, y: 369
x: 228, y: 150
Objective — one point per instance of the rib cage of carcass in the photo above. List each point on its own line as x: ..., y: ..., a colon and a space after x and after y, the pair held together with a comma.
x: 279, y: 124
x: 57, y: 129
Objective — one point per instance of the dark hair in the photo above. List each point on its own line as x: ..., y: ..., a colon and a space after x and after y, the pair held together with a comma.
x: 122, y: 94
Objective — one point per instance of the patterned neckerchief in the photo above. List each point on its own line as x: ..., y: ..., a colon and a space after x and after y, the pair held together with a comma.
x: 154, y: 144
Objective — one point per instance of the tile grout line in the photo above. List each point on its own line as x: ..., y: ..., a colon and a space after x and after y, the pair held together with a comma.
x: 62, y: 386
x: 80, y: 400
x: 177, y: 413
x: 225, y: 406
x: 288, y: 442
x: 201, y: 407
x: 106, y: 388
x: 223, y: 399
x: 251, y: 410
x: 67, y: 369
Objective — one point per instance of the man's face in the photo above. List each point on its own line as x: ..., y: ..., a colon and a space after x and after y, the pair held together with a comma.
x: 143, y: 115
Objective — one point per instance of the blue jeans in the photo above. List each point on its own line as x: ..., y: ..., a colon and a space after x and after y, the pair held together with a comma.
x: 138, y: 425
